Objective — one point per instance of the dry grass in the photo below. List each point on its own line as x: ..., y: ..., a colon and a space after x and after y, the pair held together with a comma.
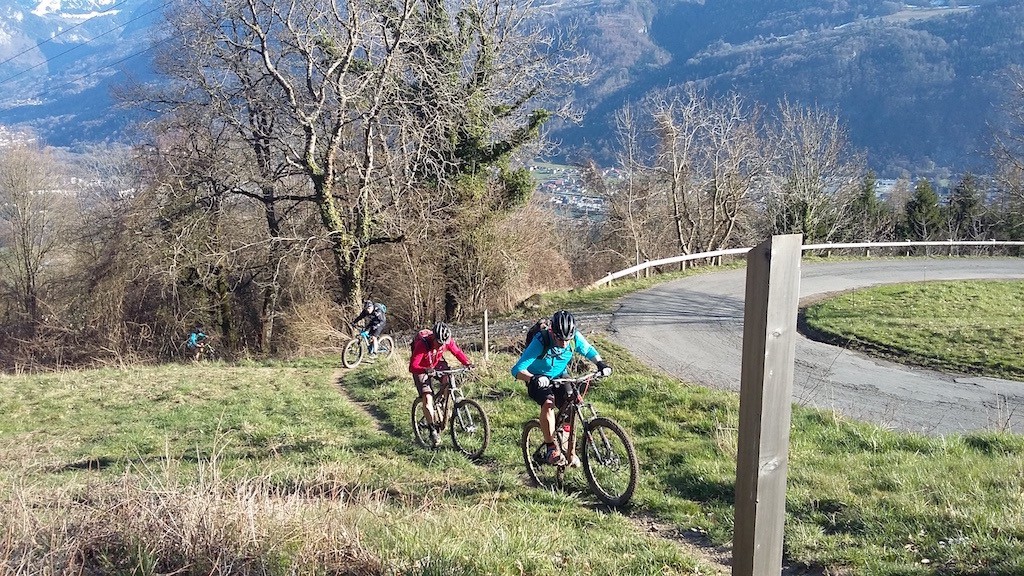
x: 150, y: 522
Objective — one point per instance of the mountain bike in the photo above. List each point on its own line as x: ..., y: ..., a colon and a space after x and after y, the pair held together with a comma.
x: 609, y: 459
x: 205, y: 351
x: 359, y: 347
x: 208, y: 352
x: 467, y: 423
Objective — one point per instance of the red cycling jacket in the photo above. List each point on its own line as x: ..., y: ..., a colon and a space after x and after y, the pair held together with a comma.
x: 426, y: 354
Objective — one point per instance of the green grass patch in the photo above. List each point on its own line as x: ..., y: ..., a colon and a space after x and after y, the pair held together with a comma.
x: 973, y: 327
x: 182, y: 467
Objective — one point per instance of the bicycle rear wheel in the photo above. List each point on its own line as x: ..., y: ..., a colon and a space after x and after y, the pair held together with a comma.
x: 609, y: 461
x: 353, y: 353
x: 420, y: 426
x: 469, y: 428
x: 385, y: 346
x: 542, y: 474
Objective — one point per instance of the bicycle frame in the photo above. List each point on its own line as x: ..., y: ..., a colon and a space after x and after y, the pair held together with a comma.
x: 608, y: 458
x: 464, y: 417
x: 450, y: 396
x: 571, y: 411
x: 359, y: 345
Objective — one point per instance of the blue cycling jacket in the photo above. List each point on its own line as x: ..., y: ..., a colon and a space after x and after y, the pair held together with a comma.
x: 555, y: 360
x: 195, y: 338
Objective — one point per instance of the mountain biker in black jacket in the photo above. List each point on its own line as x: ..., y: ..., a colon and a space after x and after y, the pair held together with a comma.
x: 375, y: 321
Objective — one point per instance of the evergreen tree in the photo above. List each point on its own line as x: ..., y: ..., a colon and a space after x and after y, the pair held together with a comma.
x: 965, y: 210
x: 870, y: 216
x: 924, y: 218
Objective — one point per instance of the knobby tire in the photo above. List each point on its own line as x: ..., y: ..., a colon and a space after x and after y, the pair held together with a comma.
x: 353, y: 353
x: 385, y: 346
x: 420, y: 428
x: 542, y: 474
x: 470, y: 428
x: 609, y: 461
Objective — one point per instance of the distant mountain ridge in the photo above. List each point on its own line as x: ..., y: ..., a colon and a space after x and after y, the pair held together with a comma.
x: 59, y: 59
x: 917, y: 84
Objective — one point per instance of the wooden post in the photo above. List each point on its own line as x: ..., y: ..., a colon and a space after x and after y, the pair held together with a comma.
x: 766, y: 389
x: 487, y: 348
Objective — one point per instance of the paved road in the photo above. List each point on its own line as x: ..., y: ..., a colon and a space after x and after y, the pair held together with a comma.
x: 692, y: 328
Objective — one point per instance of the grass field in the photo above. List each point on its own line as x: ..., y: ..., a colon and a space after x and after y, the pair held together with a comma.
x: 975, y: 327
x: 277, y: 469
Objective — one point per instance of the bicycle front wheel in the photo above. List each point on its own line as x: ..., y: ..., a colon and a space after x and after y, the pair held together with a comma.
x: 385, y: 346
x: 542, y: 474
x: 353, y: 353
x: 469, y: 428
x: 420, y: 426
x: 609, y: 461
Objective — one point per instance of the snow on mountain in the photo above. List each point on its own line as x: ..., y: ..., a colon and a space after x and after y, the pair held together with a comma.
x: 58, y: 59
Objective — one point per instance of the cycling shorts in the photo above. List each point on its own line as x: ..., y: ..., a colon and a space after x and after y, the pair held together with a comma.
x: 422, y: 381
x: 376, y: 329
x: 541, y: 395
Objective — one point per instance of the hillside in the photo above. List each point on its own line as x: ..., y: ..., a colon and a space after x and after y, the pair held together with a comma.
x: 917, y: 86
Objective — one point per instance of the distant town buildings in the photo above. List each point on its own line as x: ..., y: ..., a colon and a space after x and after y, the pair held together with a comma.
x: 9, y: 137
x: 563, y: 188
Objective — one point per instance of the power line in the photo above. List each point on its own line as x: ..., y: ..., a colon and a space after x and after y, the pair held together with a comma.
x: 61, y: 33
x: 50, y: 59
x: 112, y: 64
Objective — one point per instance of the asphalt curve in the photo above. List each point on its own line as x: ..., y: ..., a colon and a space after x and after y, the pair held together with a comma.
x: 692, y: 328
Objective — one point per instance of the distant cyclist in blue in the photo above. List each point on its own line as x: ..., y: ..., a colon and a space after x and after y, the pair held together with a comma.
x: 196, y: 341
x: 546, y: 357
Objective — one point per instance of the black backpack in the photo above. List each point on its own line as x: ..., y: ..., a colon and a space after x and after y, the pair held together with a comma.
x: 543, y: 327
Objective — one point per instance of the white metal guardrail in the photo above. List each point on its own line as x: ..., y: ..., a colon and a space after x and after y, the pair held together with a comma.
x: 866, y: 246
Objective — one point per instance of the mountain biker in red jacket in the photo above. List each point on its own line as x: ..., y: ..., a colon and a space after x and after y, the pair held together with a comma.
x: 428, y: 348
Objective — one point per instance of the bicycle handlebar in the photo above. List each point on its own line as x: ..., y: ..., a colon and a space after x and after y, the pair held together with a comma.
x: 578, y: 387
x: 586, y: 378
x: 451, y: 371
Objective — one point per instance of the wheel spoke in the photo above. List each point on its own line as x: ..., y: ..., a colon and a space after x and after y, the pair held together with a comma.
x: 609, y: 462
x: 469, y: 428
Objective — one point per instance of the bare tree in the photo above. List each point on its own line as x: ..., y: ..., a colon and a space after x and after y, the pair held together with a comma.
x: 711, y: 155
x: 33, y: 224
x: 636, y: 214
x: 816, y: 176
x: 361, y: 108
x: 1008, y: 151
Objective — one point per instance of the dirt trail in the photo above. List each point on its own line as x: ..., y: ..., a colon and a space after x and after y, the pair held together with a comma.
x: 374, y: 416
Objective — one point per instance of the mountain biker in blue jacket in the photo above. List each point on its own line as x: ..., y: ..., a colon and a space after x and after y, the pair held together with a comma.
x: 375, y: 322
x: 546, y: 357
x: 196, y: 341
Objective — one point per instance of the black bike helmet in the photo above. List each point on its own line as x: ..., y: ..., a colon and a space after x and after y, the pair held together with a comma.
x: 442, y: 333
x: 563, y: 325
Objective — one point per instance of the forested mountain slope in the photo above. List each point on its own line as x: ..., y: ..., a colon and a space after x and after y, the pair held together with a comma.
x: 917, y: 86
